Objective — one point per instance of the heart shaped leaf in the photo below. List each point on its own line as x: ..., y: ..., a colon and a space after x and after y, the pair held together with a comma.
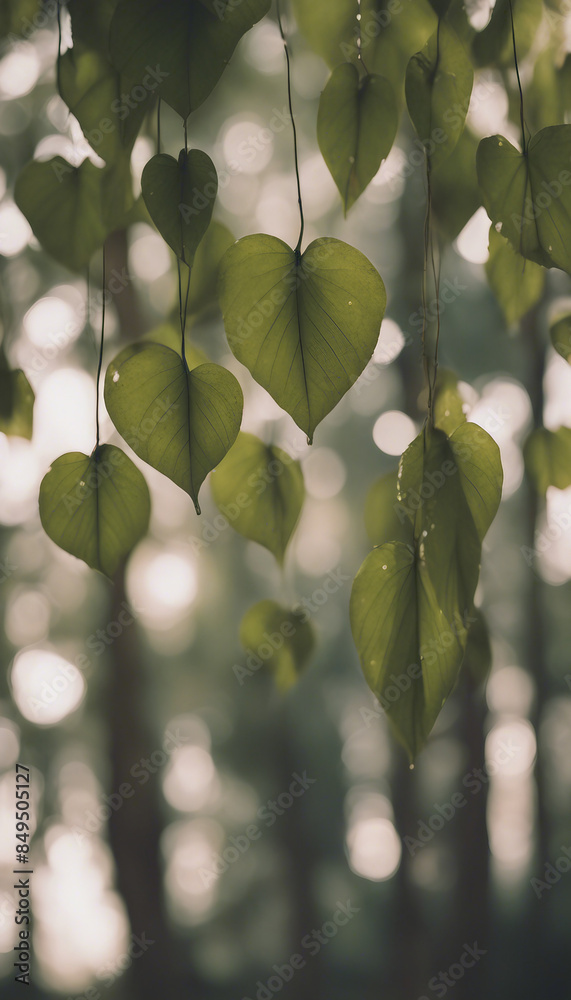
x: 63, y: 206
x: 187, y: 43
x: 356, y: 127
x: 180, y: 196
x: 516, y: 283
x: 95, y: 506
x: 438, y: 86
x: 305, y: 325
x: 528, y: 196
x: 179, y: 421
x: 260, y: 489
x: 279, y: 639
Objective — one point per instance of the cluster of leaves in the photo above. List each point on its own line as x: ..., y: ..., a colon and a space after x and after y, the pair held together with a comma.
x: 304, y: 322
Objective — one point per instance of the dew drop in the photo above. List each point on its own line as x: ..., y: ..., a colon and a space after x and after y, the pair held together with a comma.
x: 115, y: 376
x: 411, y: 767
x: 351, y: 159
x: 498, y: 227
x: 385, y: 566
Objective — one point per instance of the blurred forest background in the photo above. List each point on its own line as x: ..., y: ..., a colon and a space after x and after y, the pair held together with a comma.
x: 163, y: 659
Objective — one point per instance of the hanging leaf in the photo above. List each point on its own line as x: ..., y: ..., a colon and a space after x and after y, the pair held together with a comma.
x: 181, y: 422
x: 385, y: 521
x: 96, y: 506
x: 356, y: 126
x: 63, y: 206
x: 560, y: 333
x: 494, y: 45
x: 91, y: 88
x: 260, y: 489
x: 454, y: 186
x: 187, y: 42
x: 410, y: 604
x: 16, y: 402
x: 516, y: 283
x: 180, y: 196
x: 528, y: 197
x: 90, y: 23
x: 547, y: 456
x: 438, y: 86
x: 304, y: 325
x: 280, y: 639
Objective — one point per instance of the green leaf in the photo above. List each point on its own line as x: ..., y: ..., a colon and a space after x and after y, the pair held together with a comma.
x: 516, y: 283
x: 560, y: 333
x: 528, y: 197
x: 95, y: 506
x: 448, y: 405
x: 16, y: 15
x: 63, y: 205
x: 454, y: 185
x: 438, y: 86
x: 181, y: 422
x: 16, y: 402
x: 186, y: 43
x: 180, y: 196
x: 410, y: 603
x: 260, y: 489
x: 494, y: 45
x: 356, y: 127
x: 547, y: 456
x: 385, y: 521
x: 281, y: 639
x: 91, y: 88
x: 304, y: 325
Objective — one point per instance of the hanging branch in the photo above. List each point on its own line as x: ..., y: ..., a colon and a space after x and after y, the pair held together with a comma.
x: 100, y: 362
x: 295, y: 151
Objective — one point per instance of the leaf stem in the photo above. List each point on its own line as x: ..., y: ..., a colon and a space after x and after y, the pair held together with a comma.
x: 159, y: 125
x: 521, y: 116
x: 360, y: 37
x: 183, y: 311
x: 295, y: 151
x: 100, y: 362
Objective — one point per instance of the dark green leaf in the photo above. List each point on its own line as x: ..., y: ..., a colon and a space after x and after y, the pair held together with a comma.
x: 356, y: 127
x: 438, y: 86
x: 478, y: 658
x: 278, y: 638
x: 448, y: 404
x: 63, y: 205
x: 180, y: 196
x: 547, y: 456
x: 260, y: 489
x: 494, y: 45
x: 454, y: 185
x: 204, y: 277
x: 560, y: 333
x: 528, y: 198
x: 186, y: 43
x: 95, y: 506
x: 516, y: 283
x: 16, y: 403
x: 180, y: 422
x: 304, y: 325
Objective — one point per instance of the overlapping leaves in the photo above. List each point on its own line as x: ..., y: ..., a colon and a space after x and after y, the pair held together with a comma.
x: 180, y: 421
x: 411, y: 603
x: 279, y: 639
